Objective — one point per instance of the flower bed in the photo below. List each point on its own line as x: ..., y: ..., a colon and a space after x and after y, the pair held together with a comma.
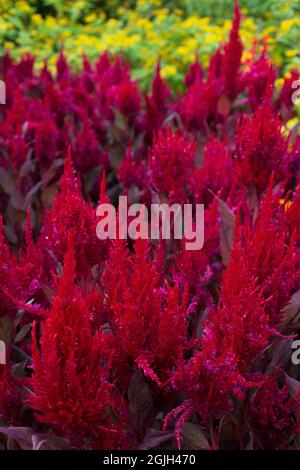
x: 125, y: 345
x: 173, y: 31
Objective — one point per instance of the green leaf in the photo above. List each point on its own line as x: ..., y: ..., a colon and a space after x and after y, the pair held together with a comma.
x: 154, y: 438
x: 193, y: 438
x: 140, y: 400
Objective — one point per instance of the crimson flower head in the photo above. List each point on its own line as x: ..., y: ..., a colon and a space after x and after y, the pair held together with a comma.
x: 170, y: 163
x: 216, y: 174
x: 157, y: 104
x: 260, y: 148
x: 271, y: 414
x: 259, y: 80
x: 233, y: 50
x: 274, y: 264
x: 148, y: 322
x: 19, y: 280
x: 194, y: 73
x: 70, y: 387
x: 71, y: 214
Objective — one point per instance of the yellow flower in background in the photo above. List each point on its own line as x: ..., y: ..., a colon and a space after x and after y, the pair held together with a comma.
x: 292, y: 123
x: 37, y: 19
x: 292, y: 53
x: 21, y: 5
x: 91, y: 18
x: 143, y: 34
x: 168, y: 71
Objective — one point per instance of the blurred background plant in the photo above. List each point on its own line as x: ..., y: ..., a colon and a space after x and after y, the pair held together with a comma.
x: 145, y: 30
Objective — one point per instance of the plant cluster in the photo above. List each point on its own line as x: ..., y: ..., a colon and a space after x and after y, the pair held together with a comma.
x: 123, y: 345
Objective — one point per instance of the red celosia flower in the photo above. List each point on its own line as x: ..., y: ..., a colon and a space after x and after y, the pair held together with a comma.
x: 142, y: 315
x: 210, y: 382
x: 132, y: 170
x: 232, y: 58
x: 18, y: 279
x: 70, y: 388
x: 215, y: 176
x: 170, y: 163
x: 199, y: 104
x: 271, y: 415
x: 194, y: 73
x: 273, y: 264
x: 197, y: 267
x: 45, y: 141
x: 241, y: 326
x: 156, y: 105
x: 259, y: 80
x: 260, y: 148
x: 70, y: 214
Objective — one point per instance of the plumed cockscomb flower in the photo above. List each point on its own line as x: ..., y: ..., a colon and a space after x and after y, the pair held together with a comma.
x: 70, y: 388
x: 239, y: 322
x: 46, y: 137
x: 197, y: 267
x: 70, y: 214
x: 157, y: 104
x: 170, y: 164
x: 216, y: 174
x: 194, y: 73
x: 18, y: 280
x: 132, y: 170
x: 260, y: 148
x: 259, y: 80
x: 231, y: 62
x: 273, y: 264
x: 199, y: 104
x: 127, y: 99
x: 271, y: 415
x: 212, y: 382
x: 142, y: 314
x: 86, y: 152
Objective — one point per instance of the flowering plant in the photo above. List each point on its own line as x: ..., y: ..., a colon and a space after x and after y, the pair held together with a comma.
x: 123, y: 345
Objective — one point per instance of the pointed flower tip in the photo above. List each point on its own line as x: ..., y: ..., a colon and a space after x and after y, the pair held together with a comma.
x: 69, y: 181
x: 103, y: 196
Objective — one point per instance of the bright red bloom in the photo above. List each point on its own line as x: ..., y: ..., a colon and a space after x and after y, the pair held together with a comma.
x: 215, y: 175
x: 18, y: 279
x: 232, y: 58
x: 260, y: 148
x: 271, y: 415
x: 72, y: 212
x: 259, y: 80
x: 70, y: 388
x: 142, y: 315
x: 157, y: 104
x: 194, y: 73
x: 170, y: 163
